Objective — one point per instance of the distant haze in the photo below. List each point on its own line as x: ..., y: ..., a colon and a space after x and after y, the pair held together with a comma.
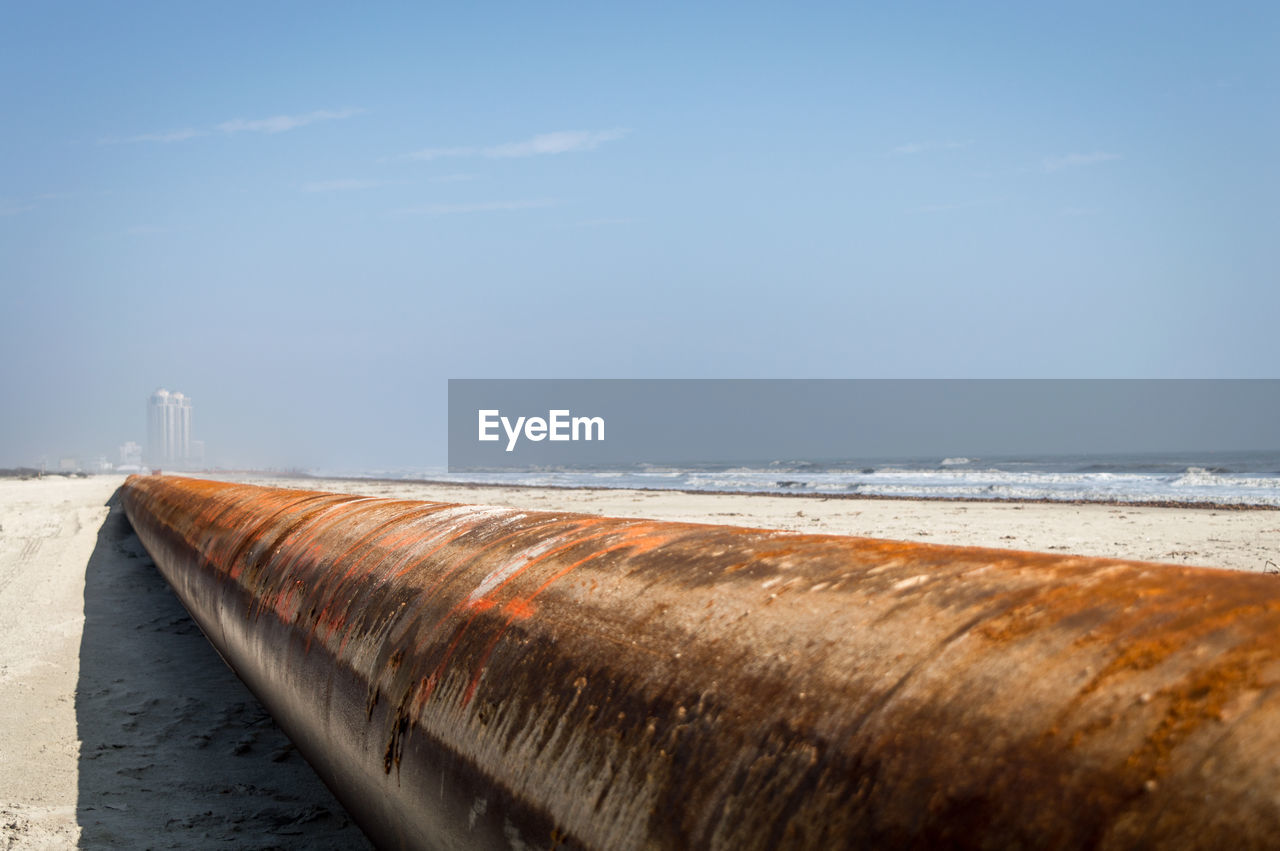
x: 307, y: 219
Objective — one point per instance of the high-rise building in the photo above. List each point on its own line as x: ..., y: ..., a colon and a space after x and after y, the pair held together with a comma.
x: 130, y: 454
x: 168, y: 429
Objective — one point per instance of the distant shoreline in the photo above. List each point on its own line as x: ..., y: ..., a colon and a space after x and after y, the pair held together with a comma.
x: 24, y: 473
x: 822, y: 497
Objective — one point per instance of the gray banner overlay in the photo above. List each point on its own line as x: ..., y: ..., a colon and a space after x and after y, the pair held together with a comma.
x: 583, y: 423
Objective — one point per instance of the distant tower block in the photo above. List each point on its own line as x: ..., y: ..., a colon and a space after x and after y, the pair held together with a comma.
x: 168, y: 429
x: 130, y: 454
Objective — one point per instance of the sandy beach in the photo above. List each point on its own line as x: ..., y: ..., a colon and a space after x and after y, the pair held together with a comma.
x: 120, y: 726
x: 1208, y: 537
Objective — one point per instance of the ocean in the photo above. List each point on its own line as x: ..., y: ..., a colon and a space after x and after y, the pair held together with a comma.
x: 1224, y: 478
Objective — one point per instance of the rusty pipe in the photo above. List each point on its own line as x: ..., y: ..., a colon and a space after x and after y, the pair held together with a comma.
x: 476, y: 676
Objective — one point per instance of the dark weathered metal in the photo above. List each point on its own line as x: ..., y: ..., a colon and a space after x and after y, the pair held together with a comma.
x: 468, y: 676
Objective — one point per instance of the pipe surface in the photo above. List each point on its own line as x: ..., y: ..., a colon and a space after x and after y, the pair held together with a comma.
x: 475, y: 676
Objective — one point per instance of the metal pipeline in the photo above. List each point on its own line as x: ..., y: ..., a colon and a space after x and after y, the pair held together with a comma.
x: 475, y: 676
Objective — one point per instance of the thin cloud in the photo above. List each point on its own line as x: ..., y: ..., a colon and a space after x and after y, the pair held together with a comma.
x: 920, y: 147
x: 438, y: 153
x: 455, y: 178
x: 341, y: 185
x: 478, y: 207
x: 13, y: 209
x: 1077, y: 160
x: 281, y: 123
x: 555, y: 143
x: 163, y: 138
x: 275, y: 124
x: 562, y: 142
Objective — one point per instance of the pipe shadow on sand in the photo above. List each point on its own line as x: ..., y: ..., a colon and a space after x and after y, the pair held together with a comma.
x: 175, y: 751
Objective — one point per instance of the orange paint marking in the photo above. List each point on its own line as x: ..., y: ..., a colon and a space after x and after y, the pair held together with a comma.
x: 520, y: 609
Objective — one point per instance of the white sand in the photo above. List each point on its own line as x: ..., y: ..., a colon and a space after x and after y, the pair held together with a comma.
x: 119, y: 725
x: 1241, y: 540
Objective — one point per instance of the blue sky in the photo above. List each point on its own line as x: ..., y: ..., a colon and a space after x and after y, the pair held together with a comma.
x: 309, y: 216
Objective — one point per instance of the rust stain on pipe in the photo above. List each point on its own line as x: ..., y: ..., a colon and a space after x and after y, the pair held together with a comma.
x: 474, y: 676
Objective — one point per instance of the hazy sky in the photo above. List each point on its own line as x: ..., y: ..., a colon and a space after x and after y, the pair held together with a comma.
x: 308, y: 217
